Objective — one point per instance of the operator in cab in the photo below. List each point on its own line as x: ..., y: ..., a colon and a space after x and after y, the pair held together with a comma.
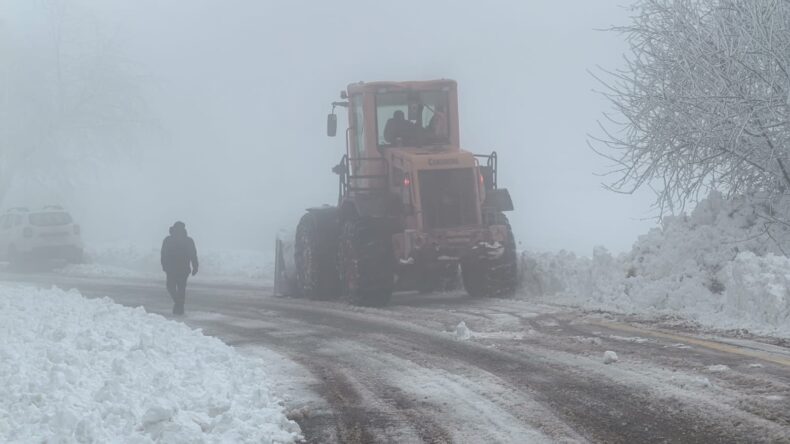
x: 398, y: 131
x: 437, y: 127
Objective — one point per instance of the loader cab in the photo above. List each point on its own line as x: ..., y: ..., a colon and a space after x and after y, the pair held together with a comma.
x: 399, y: 134
x: 419, y: 115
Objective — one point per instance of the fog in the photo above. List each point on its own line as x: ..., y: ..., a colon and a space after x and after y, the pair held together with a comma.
x: 230, y: 100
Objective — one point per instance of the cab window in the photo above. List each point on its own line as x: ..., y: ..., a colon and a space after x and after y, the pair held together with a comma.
x: 359, y: 125
x: 412, y: 118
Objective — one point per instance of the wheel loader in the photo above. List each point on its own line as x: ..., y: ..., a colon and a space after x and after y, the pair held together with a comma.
x: 414, y: 209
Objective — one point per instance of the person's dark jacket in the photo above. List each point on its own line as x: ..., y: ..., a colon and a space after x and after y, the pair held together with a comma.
x: 179, y: 253
x: 399, y: 131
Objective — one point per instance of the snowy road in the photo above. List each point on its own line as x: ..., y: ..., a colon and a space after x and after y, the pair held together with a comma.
x: 529, y: 373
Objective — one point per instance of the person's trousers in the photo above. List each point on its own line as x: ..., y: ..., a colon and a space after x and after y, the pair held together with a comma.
x: 177, y: 287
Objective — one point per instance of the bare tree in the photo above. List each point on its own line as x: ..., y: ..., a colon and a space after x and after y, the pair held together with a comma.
x: 69, y: 104
x: 703, y: 101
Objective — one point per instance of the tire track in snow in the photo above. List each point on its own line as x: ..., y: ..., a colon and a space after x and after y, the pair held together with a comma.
x: 603, y: 409
x: 352, y: 416
x: 364, y: 408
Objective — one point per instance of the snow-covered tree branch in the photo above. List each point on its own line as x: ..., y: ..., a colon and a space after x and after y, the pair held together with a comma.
x: 703, y: 101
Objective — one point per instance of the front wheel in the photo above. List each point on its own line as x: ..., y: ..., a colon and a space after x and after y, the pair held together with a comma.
x: 14, y: 257
x: 315, y: 255
x: 366, y: 262
x: 498, y: 277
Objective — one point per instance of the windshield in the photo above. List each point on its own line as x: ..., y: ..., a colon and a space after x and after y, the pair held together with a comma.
x: 50, y: 219
x: 412, y: 118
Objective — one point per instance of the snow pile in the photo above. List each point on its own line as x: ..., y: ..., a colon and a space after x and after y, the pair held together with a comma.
x: 722, y: 266
x: 718, y: 368
x: 129, y: 260
x: 87, y: 370
x: 100, y: 270
x: 462, y: 332
x: 246, y: 264
x: 126, y: 255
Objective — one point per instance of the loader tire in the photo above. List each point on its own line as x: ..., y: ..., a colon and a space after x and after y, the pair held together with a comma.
x: 366, y: 262
x: 315, y: 255
x: 483, y: 277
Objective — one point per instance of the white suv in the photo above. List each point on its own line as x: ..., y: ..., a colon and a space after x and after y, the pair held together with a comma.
x: 46, y: 234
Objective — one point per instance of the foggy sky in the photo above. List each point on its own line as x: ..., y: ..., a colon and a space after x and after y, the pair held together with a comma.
x: 240, y: 91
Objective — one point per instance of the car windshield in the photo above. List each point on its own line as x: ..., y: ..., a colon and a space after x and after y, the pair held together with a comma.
x: 50, y: 219
x: 412, y: 118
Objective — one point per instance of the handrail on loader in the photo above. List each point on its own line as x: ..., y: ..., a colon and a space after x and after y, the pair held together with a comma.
x: 489, y: 171
x: 343, y: 170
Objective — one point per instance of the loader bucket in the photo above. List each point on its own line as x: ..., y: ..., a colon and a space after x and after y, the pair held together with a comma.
x: 284, y: 270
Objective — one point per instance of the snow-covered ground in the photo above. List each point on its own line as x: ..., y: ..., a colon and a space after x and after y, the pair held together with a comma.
x: 89, y: 370
x: 721, y: 266
x: 127, y: 260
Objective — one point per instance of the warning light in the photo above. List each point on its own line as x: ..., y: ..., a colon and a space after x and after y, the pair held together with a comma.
x: 406, y: 182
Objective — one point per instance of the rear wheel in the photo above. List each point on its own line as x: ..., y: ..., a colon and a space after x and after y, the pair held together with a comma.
x: 498, y: 277
x: 14, y: 258
x: 366, y: 262
x: 19, y: 260
x: 315, y: 255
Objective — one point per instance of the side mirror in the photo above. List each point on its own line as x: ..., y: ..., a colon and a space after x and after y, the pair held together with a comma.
x: 331, y: 125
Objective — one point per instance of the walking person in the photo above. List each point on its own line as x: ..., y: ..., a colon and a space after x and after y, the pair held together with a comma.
x: 179, y: 259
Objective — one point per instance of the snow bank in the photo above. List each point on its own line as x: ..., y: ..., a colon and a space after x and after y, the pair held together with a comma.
x: 88, y: 370
x: 130, y: 260
x: 718, y: 266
